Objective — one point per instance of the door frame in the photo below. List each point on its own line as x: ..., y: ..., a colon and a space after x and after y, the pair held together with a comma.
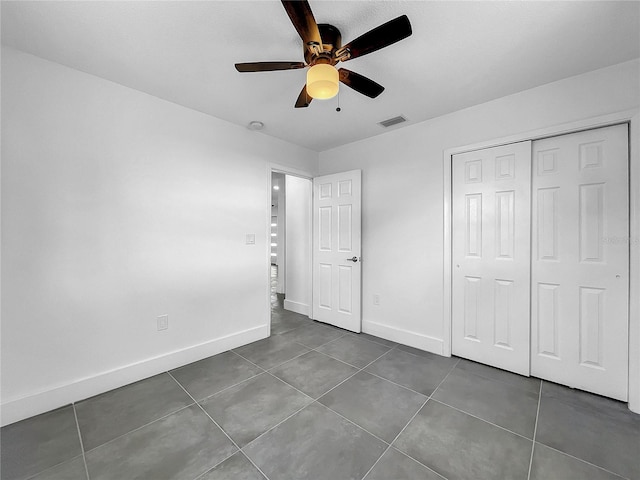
x: 630, y: 117
x: 294, y: 172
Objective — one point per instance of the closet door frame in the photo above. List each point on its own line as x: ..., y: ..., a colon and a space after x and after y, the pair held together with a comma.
x: 632, y: 119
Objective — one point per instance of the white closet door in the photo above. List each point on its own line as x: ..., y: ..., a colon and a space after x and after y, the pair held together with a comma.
x: 580, y: 264
x: 491, y: 256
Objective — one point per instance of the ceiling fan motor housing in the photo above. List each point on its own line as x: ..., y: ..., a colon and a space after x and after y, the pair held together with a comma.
x: 331, y: 41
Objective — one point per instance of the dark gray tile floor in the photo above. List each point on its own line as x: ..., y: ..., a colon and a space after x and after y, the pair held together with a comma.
x: 315, y: 402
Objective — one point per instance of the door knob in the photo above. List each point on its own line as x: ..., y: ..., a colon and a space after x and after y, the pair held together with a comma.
x: 353, y: 259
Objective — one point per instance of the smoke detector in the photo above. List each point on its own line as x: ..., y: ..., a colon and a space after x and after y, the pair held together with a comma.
x: 255, y: 125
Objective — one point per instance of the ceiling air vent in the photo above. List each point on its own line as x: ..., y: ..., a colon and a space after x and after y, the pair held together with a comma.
x: 392, y: 121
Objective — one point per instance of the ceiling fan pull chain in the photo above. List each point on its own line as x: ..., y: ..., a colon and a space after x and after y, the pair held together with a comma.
x: 338, y: 107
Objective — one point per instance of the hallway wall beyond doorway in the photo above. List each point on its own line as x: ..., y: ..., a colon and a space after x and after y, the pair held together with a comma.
x: 290, y: 239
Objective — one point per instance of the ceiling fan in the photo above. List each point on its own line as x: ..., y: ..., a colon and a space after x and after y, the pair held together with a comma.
x: 322, y: 47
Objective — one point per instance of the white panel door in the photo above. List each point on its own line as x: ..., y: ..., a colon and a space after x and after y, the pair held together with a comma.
x: 491, y: 256
x: 580, y: 264
x: 336, y: 249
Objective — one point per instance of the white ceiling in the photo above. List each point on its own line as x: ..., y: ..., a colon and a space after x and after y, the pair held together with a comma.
x: 460, y: 54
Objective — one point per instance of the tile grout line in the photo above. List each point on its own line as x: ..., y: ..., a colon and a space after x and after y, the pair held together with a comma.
x: 391, y: 347
x: 341, y: 361
x: 310, y: 403
x: 494, y: 379
x: 358, y: 369
x: 291, y: 386
x: 419, y: 463
x: 356, y: 335
x: 315, y: 400
x: 298, y: 390
x: 221, y: 429
x: 225, y: 388
x: 286, y: 361
x: 140, y: 427
x: 205, y: 412
x: 535, y: 431
x: 407, y: 424
x: 330, y: 356
x: 264, y: 370
x: 352, y: 422
x: 254, y: 464
x: 281, y: 380
x: 397, y: 384
x: 312, y: 400
x: 354, y: 373
x: 286, y: 343
x: 258, y: 366
x: 430, y: 397
x: 368, y: 364
x: 421, y: 355
x: 294, y: 328
x: 396, y: 437
x: 584, y: 461
x: 199, y: 477
x: 315, y: 349
x: 48, y: 469
x: 482, y: 419
x: 487, y: 421
x: 277, y: 424
x: 84, y: 459
x: 445, y: 377
x: 321, y: 345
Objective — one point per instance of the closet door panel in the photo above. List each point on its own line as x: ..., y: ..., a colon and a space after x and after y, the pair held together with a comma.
x: 580, y: 266
x: 491, y: 256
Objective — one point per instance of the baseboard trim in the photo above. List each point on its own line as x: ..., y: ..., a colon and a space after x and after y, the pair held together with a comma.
x: 405, y: 337
x: 44, y: 401
x: 297, y: 307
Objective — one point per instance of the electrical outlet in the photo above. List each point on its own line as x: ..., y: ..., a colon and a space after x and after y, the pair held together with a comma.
x: 163, y: 322
x: 250, y: 239
x: 376, y: 299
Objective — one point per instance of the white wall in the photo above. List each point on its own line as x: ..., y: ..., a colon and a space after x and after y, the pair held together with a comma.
x: 118, y: 207
x: 402, y: 214
x: 298, y: 241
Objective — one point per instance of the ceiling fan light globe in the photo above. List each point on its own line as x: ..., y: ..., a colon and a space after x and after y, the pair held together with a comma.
x: 322, y: 81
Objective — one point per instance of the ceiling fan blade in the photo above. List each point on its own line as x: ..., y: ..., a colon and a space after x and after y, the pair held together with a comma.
x: 267, y: 66
x: 380, y: 37
x: 303, y: 99
x: 302, y: 18
x: 360, y: 84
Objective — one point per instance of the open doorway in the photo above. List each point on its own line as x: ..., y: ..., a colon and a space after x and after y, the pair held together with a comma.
x: 290, y: 252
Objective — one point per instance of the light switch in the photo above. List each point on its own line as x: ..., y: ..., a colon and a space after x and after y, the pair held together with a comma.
x: 251, y: 239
